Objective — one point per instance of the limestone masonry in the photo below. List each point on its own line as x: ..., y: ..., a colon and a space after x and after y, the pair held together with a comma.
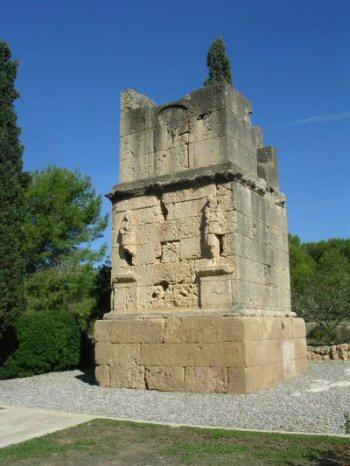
x: 200, y: 265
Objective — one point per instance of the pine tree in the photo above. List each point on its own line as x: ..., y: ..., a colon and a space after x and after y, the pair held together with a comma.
x: 218, y: 63
x: 12, y: 185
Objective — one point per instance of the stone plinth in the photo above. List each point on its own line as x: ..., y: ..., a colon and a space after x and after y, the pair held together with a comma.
x: 201, y: 353
x: 200, y: 262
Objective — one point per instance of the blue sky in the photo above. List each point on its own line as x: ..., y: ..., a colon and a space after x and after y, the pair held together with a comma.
x: 290, y: 57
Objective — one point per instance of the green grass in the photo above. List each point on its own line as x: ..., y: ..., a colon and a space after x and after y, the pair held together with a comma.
x: 106, y: 441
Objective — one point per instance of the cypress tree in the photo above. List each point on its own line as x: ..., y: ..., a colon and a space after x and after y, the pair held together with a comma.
x: 218, y: 63
x: 12, y: 185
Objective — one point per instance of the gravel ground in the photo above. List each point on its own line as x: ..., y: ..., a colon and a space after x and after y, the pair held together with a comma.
x: 314, y: 402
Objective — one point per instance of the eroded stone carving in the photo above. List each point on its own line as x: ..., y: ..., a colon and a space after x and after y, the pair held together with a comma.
x: 214, y: 227
x: 171, y: 251
x: 128, y: 242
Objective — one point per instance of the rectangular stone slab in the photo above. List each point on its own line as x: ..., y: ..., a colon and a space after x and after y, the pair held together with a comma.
x: 204, y: 353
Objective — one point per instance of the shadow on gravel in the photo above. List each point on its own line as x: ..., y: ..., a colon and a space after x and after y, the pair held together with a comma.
x: 87, y: 376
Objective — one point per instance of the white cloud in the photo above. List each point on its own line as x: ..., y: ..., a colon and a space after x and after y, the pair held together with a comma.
x: 315, y: 119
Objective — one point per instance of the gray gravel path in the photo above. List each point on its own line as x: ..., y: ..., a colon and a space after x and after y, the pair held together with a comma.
x: 314, y: 402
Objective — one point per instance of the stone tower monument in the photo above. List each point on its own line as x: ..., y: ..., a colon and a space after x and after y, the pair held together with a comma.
x: 200, y: 268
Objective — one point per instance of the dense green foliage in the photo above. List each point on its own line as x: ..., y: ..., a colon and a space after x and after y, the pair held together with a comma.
x: 69, y: 286
x: 48, y: 341
x: 12, y: 183
x: 302, y: 265
x: 63, y: 219
x: 62, y: 277
x: 320, y: 277
x: 218, y: 63
x: 103, y: 291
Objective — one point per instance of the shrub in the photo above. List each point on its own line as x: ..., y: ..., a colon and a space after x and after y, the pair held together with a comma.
x: 47, y: 341
x: 320, y: 335
x: 320, y: 279
x: 69, y: 287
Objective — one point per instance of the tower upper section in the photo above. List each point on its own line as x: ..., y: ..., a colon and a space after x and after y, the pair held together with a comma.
x: 208, y: 127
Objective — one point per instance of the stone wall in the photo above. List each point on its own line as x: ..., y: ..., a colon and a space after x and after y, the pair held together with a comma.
x: 207, y: 127
x: 326, y: 353
x: 261, y: 236
x: 202, y: 353
x: 218, y: 244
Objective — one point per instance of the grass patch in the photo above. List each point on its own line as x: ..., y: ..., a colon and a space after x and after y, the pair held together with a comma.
x: 105, y: 441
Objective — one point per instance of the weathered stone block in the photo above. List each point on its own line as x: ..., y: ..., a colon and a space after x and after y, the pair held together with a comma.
x: 101, y: 331
x: 190, y: 248
x: 268, y: 166
x: 170, y: 251
x: 135, y: 330
x: 168, y: 354
x: 137, y: 144
x: 151, y: 214
x: 184, y: 295
x: 127, y: 377
x: 102, y: 375
x: 126, y: 354
x: 206, y: 153
x: 264, y: 352
x: 300, y: 347
x: 205, y: 379
x: 138, y: 202
x: 148, y: 253
x: 170, y: 379
x: 226, y: 354
x: 229, y: 245
x: 288, y: 359
x: 185, y: 209
x: 261, y: 377
x: 197, y: 192
x: 202, y: 329
x: 236, y: 380
x: 181, y: 228
x: 299, y: 328
x: 103, y: 353
x: 252, y: 379
x: 127, y: 296
x: 215, y: 288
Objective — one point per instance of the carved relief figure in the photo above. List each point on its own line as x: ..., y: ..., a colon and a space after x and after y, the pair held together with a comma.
x: 127, y: 234
x: 214, y: 227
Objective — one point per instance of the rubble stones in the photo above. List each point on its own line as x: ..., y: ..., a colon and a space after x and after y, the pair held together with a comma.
x: 325, y: 353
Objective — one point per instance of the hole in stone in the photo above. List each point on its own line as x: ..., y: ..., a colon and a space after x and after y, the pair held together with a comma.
x: 221, y: 243
x: 164, y: 284
x: 203, y: 116
x: 267, y: 273
x: 164, y: 210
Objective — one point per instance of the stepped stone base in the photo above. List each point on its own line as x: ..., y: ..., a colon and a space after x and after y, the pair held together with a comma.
x: 204, y: 353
